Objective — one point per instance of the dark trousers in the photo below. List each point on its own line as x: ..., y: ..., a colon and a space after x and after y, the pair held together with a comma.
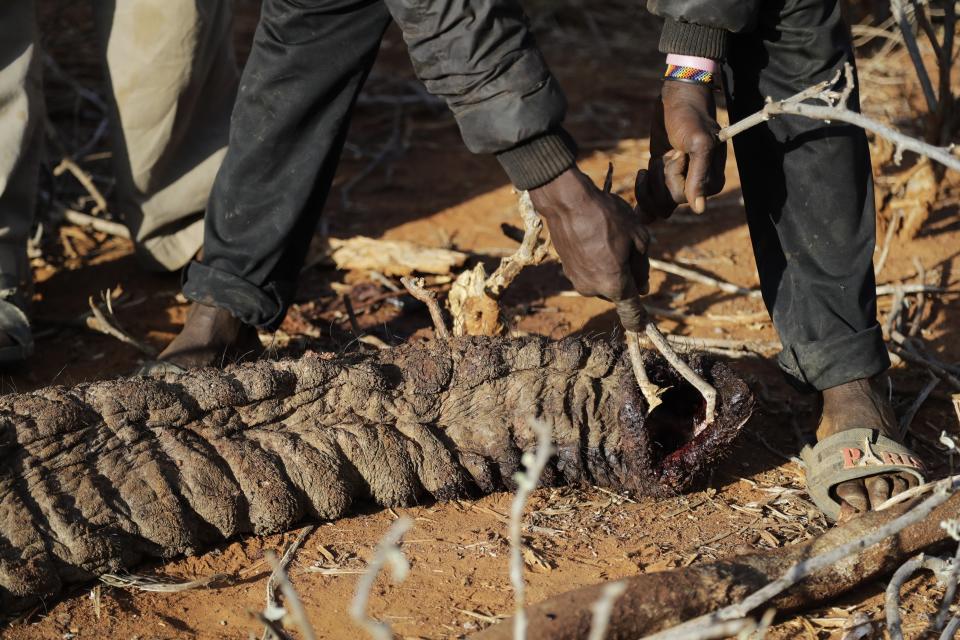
x: 296, y: 95
x: 308, y: 63
x: 808, y: 190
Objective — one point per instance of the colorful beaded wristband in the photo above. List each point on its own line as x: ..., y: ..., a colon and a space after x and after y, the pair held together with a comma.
x: 688, y: 74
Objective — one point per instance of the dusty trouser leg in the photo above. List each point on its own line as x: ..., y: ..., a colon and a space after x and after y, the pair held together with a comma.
x: 808, y: 190
x: 21, y: 146
x: 308, y: 63
x: 173, y: 77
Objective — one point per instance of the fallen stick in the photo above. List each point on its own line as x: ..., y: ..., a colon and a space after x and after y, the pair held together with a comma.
x: 706, y: 390
x: 729, y: 287
x: 696, y: 276
x: 103, y: 321
x: 892, y: 598
x: 67, y: 164
x: 788, y: 578
x: 297, y: 611
x: 901, y: 348
x: 280, y: 567
x: 86, y: 220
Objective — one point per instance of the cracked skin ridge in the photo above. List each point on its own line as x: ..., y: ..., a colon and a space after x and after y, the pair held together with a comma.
x: 99, y: 477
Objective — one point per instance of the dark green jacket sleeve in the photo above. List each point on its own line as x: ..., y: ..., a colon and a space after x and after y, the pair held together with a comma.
x: 480, y: 57
x: 702, y: 27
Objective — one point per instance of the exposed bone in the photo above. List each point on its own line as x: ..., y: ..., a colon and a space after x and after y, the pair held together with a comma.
x: 474, y: 296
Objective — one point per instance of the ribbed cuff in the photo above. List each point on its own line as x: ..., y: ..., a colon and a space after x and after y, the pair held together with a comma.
x: 536, y: 162
x: 693, y: 40
x: 252, y: 305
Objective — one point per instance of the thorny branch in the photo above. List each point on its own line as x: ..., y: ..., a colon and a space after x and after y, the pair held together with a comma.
x: 834, y: 109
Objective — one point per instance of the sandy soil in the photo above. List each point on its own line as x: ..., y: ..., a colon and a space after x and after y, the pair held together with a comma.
x: 431, y: 190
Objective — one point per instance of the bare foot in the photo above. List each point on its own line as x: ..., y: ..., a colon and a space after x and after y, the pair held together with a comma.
x: 861, y: 403
x: 211, y: 337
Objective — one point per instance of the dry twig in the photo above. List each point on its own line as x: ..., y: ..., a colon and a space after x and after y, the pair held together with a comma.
x: 67, y: 164
x: 533, y: 464
x: 892, y: 603
x: 387, y: 553
x: 797, y: 572
x: 281, y: 567
x: 907, y: 418
x: 603, y: 607
x: 417, y: 289
x: 103, y: 321
x: 834, y: 109
x: 157, y: 585
x: 474, y: 297
x: 292, y: 600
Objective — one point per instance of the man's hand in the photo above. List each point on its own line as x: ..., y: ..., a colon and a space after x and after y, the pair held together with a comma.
x: 686, y: 158
x: 601, y: 242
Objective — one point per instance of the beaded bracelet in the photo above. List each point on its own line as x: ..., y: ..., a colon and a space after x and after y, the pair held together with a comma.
x: 688, y: 74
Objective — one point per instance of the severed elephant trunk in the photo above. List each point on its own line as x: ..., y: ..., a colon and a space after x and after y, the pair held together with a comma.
x: 95, y: 478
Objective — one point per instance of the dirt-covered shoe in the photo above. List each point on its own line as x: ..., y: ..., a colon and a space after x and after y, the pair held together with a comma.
x: 211, y: 336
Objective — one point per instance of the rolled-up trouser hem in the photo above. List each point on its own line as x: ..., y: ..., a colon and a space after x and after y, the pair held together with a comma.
x: 828, y: 363
x: 245, y: 301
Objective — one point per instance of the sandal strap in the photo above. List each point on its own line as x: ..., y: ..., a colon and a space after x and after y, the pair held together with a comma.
x: 851, y: 455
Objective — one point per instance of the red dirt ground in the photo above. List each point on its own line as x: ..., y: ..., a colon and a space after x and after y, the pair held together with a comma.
x: 435, y: 193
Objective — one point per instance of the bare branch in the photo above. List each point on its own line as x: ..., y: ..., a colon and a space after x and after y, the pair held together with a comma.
x: 892, y: 603
x: 292, y: 600
x: 533, y: 464
x: 387, y: 552
x: 86, y: 220
x: 106, y: 323
x: 281, y: 567
x: 706, y: 390
x: 603, y: 607
x: 531, y: 252
x: 910, y: 40
x: 417, y: 289
x: 907, y: 418
x: 949, y: 593
x: 951, y: 629
x: 804, y: 568
x: 651, y: 392
x: 696, y: 276
x: 831, y: 111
